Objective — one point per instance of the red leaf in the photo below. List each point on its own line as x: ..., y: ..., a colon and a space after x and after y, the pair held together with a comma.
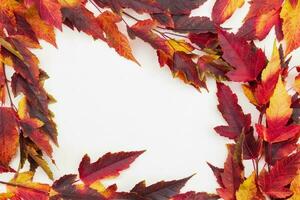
x: 143, y: 30
x: 9, y: 137
x: 232, y: 112
x: 185, y: 67
x: 273, y: 183
x: 196, y: 196
x: 186, y: 24
x: 49, y: 11
x: 83, y: 20
x: 160, y: 190
x: 180, y: 7
x: 247, y: 60
x: 107, y: 166
x: 233, y: 174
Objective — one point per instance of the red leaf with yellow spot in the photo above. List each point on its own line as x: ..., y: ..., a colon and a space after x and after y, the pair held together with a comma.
x: 269, y: 78
x: 224, y: 9
x: 262, y: 16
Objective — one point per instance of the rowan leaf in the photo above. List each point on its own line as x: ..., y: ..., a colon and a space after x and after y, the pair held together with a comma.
x: 232, y: 112
x: 161, y: 190
x: 9, y: 137
x: 114, y: 37
x: 49, y: 11
x: 109, y: 165
x: 291, y: 15
x: 223, y: 9
x: 247, y: 60
x: 274, y: 182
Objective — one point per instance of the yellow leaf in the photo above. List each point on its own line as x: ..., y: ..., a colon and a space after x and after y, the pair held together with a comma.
x: 295, y: 188
x: 69, y: 3
x: 22, y: 108
x: 40, y: 161
x: 248, y: 189
x: 291, y: 26
x: 279, y: 110
x: 249, y: 94
x: 223, y: 9
x: 273, y: 66
x: 180, y: 45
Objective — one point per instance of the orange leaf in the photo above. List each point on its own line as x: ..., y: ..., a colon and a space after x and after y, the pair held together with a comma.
x: 114, y: 37
x: 9, y: 138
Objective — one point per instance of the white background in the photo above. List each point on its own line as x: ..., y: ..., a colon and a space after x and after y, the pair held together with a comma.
x: 106, y: 103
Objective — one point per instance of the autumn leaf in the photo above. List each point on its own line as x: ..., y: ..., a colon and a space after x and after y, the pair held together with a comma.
x: 140, y: 6
x: 195, y: 196
x: 143, y: 30
x: 40, y: 28
x: 114, y: 37
x: 23, y: 188
x: 278, y: 114
x: 195, y: 24
x: 107, y: 166
x: 185, y: 67
x: 284, y: 171
x: 232, y: 112
x: 291, y: 15
x: 49, y: 11
x: 180, y: 7
x: 160, y: 190
x: 295, y: 188
x: 223, y: 9
x: 269, y: 78
x: 262, y: 16
x: 248, y: 190
x: 9, y: 137
x: 83, y: 20
x: 233, y: 173
x: 247, y: 60
x: 65, y: 188
x: 7, y: 10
